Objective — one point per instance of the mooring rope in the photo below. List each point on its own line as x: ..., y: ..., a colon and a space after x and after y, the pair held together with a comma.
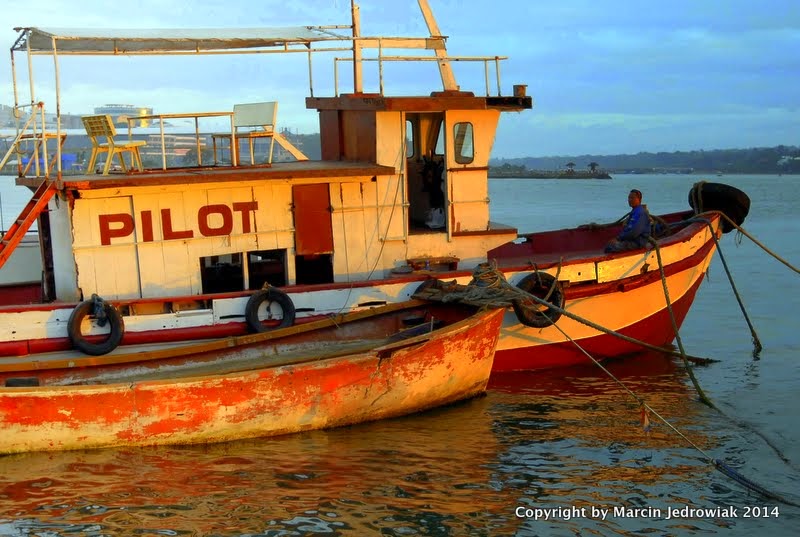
x: 496, y: 284
x: 500, y: 293
x: 696, y: 384
x: 752, y: 238
x: 757, y: 347
x: 717, y: 463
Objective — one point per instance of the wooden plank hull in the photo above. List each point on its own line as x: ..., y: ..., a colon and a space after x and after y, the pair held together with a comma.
x: 446, y: 365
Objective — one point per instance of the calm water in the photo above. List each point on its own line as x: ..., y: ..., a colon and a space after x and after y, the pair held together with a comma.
x: 568, y: 441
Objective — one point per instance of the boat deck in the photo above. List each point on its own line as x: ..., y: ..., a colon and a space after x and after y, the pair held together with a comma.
x: 132, y: 363
x: 311, y: 169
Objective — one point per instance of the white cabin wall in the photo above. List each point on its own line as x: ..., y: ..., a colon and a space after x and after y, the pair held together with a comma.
x: 64, y: 269
x: 368, y: 217
x: 274, y: 224
x: 468, y: 184
x: 146, y: 264
x: 165, y: 264
x: 109, y: 270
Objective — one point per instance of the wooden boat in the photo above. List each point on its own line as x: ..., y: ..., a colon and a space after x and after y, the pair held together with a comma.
x: 384, y: 362
x: 400, y: 195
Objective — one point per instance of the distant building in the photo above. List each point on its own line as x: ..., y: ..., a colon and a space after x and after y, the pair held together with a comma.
x: 121, y: 112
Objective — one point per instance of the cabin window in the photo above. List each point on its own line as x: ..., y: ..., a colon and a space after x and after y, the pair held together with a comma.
x: 439, y: 147
x: 463, y: 142
x: 222, y: 273
x: 410, y: 150
x: 266, y: 266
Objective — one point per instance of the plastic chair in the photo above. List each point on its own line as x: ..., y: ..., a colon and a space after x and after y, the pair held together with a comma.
x: 102, y: 126
x: 250, y: 121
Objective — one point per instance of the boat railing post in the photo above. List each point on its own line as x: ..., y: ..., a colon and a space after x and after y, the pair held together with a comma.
x: 486, y: 74
x: 197, y: 140
x: 163, y: 144
x: 43, y: 144
x: 497, y: 72
x: 380, y: 66
x: 310, y: 75
x: 336, y: 77
x: 357, y: 66
x: 58, y: 118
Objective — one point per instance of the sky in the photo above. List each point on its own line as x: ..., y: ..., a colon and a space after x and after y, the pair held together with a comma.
x: 610, y: 77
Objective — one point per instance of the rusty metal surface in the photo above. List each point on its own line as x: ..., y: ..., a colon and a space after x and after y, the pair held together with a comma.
x: 446, y: 365
x: 312, y: 219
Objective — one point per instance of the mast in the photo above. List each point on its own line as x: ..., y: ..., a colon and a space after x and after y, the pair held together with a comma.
x: 445, y: 69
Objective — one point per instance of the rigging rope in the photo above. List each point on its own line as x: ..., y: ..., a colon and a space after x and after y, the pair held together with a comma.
x: 499, y: 293
x: 717, y: 463
x: 697, y: 387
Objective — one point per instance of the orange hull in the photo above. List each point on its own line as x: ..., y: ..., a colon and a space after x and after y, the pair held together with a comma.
x: 443, y: 366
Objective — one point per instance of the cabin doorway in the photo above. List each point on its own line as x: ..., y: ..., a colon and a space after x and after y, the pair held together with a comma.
x: 313, y: 233
x: 426, y: 173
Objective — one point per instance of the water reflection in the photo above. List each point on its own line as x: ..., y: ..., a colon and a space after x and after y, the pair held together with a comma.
x: 405, y: 473
x: 570, y: 438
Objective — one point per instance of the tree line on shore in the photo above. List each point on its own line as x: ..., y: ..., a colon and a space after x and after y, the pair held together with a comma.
x: 779, y: 159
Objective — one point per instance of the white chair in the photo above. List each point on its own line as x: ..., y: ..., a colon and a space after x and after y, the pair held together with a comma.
x: 251, y: 121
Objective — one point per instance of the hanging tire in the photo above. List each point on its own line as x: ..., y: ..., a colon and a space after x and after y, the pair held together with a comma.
x: 720, y: 197
x: 269, y: 296
x: 79, y: 341
x: 528, y: 311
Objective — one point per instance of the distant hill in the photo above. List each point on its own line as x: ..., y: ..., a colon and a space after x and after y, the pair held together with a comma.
x: 780, y: 159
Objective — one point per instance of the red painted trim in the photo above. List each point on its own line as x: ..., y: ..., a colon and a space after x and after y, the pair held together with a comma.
x: 582, y: 290
x: 23, y: 293
x: 655, y: 330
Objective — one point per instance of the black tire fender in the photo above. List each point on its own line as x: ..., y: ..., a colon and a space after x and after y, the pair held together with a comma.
x: 527, y: 310
x: 113, y: 317
x: 269, y: 295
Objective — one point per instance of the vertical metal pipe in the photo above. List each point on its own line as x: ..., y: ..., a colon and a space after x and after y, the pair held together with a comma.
x: 197, y: 140
x: 14, y: 82
x: 497, y: 71
x: 486, y: 74
x: 163, y: 145
x: 33, y: 100
x: 58, y: 117
x: 30, y: 70
x: 336, y: 77
x: 380, y: 65
x: 310, y: 74
x: 357, y: 66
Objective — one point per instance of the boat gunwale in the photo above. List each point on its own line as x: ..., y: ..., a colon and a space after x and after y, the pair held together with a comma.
x: 251, y: 340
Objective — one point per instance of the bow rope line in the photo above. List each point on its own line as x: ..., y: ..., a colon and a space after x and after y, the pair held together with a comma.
x: 697, y: 387
x: 488, y: 278
x: 718, y: 464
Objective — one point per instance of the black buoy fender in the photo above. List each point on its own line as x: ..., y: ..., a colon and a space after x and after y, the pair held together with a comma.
x: 104, y: 313
x: 720, y: 197
x: 528, y: 311
x: 269, y: 296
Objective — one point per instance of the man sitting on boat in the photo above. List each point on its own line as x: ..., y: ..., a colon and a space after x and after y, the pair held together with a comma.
x: 636, y: 232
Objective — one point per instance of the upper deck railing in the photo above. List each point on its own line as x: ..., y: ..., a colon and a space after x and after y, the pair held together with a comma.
x: 57, y: 42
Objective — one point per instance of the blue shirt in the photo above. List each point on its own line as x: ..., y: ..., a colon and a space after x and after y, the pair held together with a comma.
x: 637, y: 228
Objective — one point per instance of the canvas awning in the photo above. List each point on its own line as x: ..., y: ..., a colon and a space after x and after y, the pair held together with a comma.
x: 175, y: 40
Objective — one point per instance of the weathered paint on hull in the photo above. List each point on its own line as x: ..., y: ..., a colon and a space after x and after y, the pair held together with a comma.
x: 620, y: 298
x: 655, y: 329
x: 341, y: 391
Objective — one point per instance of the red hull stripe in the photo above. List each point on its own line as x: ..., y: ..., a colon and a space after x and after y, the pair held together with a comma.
x: 656, y: 330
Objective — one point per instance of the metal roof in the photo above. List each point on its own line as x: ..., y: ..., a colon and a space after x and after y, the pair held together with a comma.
x: 166, y: 40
